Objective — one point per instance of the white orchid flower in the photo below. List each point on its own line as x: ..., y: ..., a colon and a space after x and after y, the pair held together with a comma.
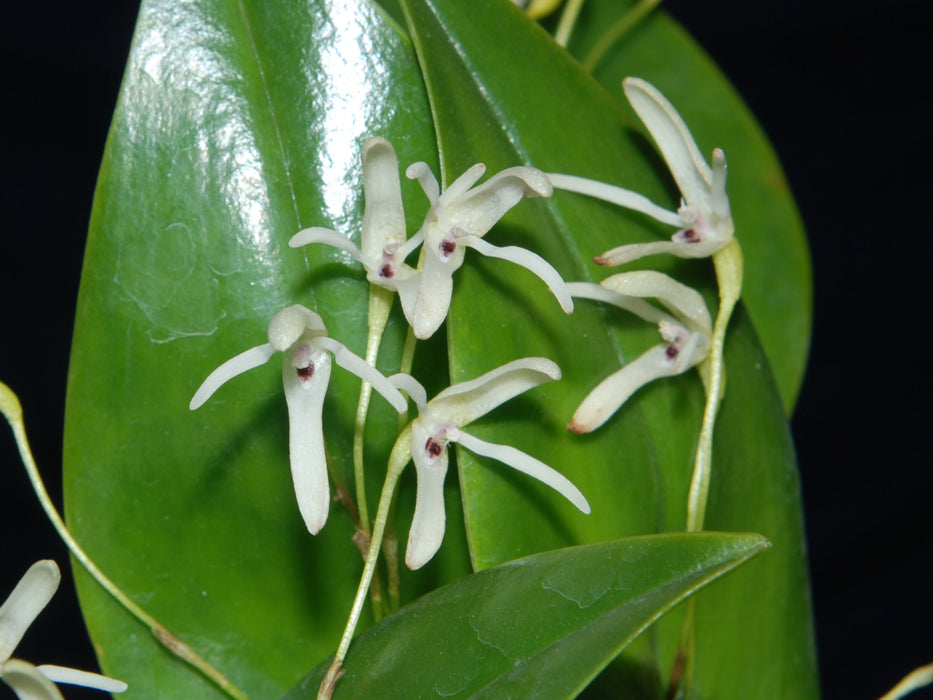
x: 441, y: 420
x: 383, y: 245
x: 687, y: 338
x: 458, y: 219
x: 300, y: 334
x: 704, y: 217
x: 31, y: 595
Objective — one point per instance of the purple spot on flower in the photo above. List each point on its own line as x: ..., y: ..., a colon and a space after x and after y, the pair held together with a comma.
x: 386, y: 272
x: 448, y: 247
x: 433, y: 447
x: 305, y: 373
x: 690, y: 235
x: 672, y: 352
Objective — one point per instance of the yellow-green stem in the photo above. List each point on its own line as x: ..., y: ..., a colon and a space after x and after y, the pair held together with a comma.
x: 12, y: 410
x: 617, y: 31
x: 728, y: 264
x: 401, y: 455
x: 568, y: 20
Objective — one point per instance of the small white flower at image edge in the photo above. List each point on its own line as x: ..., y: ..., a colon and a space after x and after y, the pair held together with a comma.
x: 30, y: 596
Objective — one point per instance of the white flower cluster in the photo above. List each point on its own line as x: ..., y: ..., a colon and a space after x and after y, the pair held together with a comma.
x: 459, y: 218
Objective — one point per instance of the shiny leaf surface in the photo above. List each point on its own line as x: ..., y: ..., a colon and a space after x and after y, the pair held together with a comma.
x: 535, y: 627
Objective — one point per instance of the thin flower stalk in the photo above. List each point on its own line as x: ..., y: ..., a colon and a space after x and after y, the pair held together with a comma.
x: 13, y: 412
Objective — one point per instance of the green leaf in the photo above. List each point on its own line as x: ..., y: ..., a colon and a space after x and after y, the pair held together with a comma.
x: 501, y: 88
x: 237, y: 125
x: 539, y: 626
x: 778, y: 290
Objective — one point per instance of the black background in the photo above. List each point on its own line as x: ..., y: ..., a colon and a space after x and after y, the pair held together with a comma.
x: 842, y: 88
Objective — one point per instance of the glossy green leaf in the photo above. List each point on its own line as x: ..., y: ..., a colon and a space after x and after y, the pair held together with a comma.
x: 502, y: 89
x: 237, y: 125
x: 542, y: 626
x: 778, y: 289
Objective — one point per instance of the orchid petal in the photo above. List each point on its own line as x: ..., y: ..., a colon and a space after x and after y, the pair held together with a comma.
x: 327, y: 236
x: 422, y: 173
x: 429, y: 521
x: 532, y: 262
x: 245, y: 361
x: 72, y: 676
x: 526, y: 464
x: 615, y: 195
x: 685, y: 302
x: 412, y: 387
x: 635, y: 305
x: 615, y: 390
x: 33, y: 592
x: 719, y: 201
x: 465, y: 402
x: 304, y: 394
x: 477, y: 211
x: 673, y: 138
x: 362, y: 369
x: 292, y: 322
x: 628, y: 253
x: 459, y: 187
x: 28, y: 682
x: 432, y: 300
x: 383, y: 213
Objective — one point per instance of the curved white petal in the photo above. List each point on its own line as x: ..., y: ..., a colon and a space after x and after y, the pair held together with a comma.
x: 317, y: 234
x: 429, y: 521
x: 477, y: 211
x: 422, y: 173
x: 615, y: 195
x: 628, y: 253
x: 465, y: 402
x: 33, y: 592
x: 289, y: 324
x: 459, y: 187
x: 305, y: 399
x: 681, y: 153
x: 685, y: 302
x: 72, y: 676
x: 412, y: 387
x: 432, y: 299
x: 532, y: 262
x: 615, y: 390
x: 404, y: 250
x: 362, y: 369
x: 719, y: 201
x: 639, y: 307
x: 383, y: 214
x: 243, y: 362
x: 526, y: 464
x: 27, y: 682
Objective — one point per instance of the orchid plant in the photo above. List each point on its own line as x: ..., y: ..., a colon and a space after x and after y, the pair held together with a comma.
x: 256, y: 181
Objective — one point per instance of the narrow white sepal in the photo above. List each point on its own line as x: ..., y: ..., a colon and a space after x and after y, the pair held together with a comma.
x: 639, y: 307
x: 28, y: 682
x: 362, y: 369
x: 634, y: 251
x: 430, y: 520
x: 681, y: 153
x: 463, y: 403
x: 432, y: 299
x: 412, y: 387
x: 532, y: 262
x: 305, y: 401
x: 33, y: 592
x: 459, y: 187
x: 72, y: 676
x: 526, y: 464
x: 685, y: 302
x: 317, y: 234
x: 245, y: 361
x: 422, y: 173
x: 617, y: 388
x: 615, y: 195
x: 383, y: 213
